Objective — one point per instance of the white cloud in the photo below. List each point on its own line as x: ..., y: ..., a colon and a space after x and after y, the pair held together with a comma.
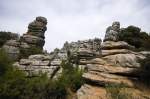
x: 72, y: 20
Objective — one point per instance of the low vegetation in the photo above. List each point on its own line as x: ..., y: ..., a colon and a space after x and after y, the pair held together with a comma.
x: 4, y: 36
x: 14, y: 84
x: 145, y: 71
x: 117, y: 91
x: 24, y: 53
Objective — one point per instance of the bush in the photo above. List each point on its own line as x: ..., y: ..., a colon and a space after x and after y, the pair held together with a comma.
x: 145, y: 71
x: 135, y: 37
x: 24, y: 53
x: 71, y: 76
x: 4, y: 36
x: 14, y: 84
x: 5, y: 62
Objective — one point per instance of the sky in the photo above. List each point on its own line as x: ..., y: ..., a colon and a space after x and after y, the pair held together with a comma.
x: 73, y: 20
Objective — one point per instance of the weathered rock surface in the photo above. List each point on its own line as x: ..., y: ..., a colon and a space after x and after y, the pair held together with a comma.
x: 37, y: 64
x: 36, y: 31
x: 108, y: 45
x: 125, y: 60
x: 33, y: 38
x: 12, y: 49
x: 118, y: 64
x: 112, y: 32
x: 112, y: 62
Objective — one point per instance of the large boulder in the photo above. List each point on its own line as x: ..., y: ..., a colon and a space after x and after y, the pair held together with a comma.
x: 125, y: 60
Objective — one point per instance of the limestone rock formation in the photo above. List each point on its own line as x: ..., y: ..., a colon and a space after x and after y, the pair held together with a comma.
x: 112, y: 62
x: 118, y: 64
x: 35, y: 34
x: 112, y: 32
x: 12, y: 49
x: 37, y: 64
x: 33, y: 38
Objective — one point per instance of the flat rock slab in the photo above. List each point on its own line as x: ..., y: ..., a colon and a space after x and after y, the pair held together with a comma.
x: 116, y: 45
x: 102, y: 79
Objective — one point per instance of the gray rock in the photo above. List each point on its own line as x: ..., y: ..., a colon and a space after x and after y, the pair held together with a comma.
x: 12, y: 49
x: 39, y: 57
x: 37, y: 64
x: 112, y: 32
x: 115, y: 51
x: 40, y: 63
x: 115, y: 45
x: 35, y: 35
x: 125, y: 60
x: 145, y: 53
x: 33, y: 40
x: 25, y: 62
x: 56, y: 62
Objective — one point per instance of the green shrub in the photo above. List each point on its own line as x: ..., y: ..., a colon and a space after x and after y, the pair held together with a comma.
x: 5, y: 62
x: 71, y: 76
x: 24, y: 53
x: 4, y: 36
x: 145, y: 71
x: 14, y: 84
x: 135, y: 37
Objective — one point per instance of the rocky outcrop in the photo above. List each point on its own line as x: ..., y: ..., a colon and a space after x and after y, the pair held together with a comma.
x: 112, y: 32
x: 35, y: 34
x: 112, y: 62
x: 33, y: 38
x: 37, y: 64
x: 118, y: 64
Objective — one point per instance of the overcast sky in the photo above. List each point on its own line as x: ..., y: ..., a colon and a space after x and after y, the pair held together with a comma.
x: 72, y: 20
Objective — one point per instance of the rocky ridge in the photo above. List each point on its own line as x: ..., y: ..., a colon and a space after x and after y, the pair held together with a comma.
x: 109, y: 62
x: 117, y: 65
x: 51, y: 63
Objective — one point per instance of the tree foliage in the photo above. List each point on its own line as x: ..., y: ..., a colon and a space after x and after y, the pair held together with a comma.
x: 145, y: 71
x: 4, y: 36
x: 14, y: 84
x: 135, y: 37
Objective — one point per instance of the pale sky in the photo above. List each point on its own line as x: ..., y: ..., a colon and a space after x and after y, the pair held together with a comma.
x: 72, y: 20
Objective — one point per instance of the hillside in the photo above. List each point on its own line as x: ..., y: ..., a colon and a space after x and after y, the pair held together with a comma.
x: 115, y: 68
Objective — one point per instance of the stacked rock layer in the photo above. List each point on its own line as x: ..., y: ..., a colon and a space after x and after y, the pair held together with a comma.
x: 117, y: 65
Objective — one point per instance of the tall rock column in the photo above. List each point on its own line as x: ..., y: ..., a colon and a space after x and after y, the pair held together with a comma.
x: 35, y: 34
x: 33, y: 41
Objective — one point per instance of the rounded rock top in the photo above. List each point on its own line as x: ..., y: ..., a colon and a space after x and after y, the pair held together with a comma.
x: 41, y: 19
x: 116, y: 23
